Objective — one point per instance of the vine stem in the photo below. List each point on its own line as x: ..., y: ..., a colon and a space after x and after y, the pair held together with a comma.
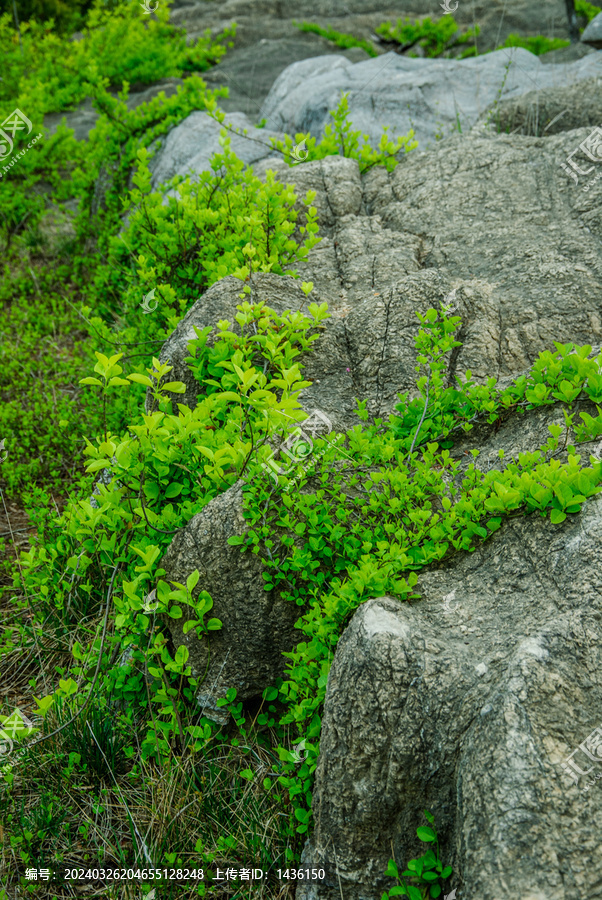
x: 426, y: 403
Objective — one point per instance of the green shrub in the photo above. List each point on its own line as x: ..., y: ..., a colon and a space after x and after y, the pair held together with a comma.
x: 52, y: 73
x: 583, y: 8
x: 339, y: 139
x: 345, y: 41
x: 359, y: 520
x: 537, y: 45
x: 184, y: 243
x: 436, y: 38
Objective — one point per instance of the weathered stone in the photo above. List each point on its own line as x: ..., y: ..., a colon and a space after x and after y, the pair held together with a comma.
x: 257, y: 625
x: 434, y: 97
x: 593, y: 33
x: 466, y: 703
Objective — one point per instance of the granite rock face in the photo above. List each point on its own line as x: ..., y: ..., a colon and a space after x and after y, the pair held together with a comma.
x: 494, y: 218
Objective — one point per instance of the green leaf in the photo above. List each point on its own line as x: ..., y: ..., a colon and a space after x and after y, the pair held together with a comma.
x: 426, y: 834
x: 392, y: 870
x: 192, y: 581
x: 141, y: 379
x: 557, y: 517
x: 175, y: 612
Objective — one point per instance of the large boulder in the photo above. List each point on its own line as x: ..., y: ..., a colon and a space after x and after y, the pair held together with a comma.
x: 492, y: 221
x: 469, y: 703
x: 474, y: 216
x: 257, y: 625
x: 434, y: 97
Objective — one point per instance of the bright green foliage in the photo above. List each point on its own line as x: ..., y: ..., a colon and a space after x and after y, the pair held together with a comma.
x: 54, y: 73
x: 222, y: 222
x: 537, y: 44
x: 345, y: 41
x: 67, y: 15
x: 583, y: 8
x: 436, y: 38
x: 426, y: 871
x: 179, y: 249
x: 370, y: 510
x: 164, y: 471
x: 367, y: 514
x: 340, y: 139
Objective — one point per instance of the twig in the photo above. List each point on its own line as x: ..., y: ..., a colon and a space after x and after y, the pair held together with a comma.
x: 426, y: 403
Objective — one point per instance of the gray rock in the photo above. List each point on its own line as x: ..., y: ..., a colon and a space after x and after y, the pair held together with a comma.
x: 593, y: 33
x: 189, y: 147
x: 434, y: 97
x: 467, y: 703
x: 258, y: 625
x: 473, y: 214
x: 250, y: 72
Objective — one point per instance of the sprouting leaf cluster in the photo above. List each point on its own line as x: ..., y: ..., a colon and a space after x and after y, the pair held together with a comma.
x: 436, y: 38
x: 424, y: 873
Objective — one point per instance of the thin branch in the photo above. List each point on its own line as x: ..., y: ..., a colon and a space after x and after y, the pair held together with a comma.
x: 426, y: 403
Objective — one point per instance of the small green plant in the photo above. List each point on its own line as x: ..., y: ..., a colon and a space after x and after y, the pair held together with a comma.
x: 438, y: 38
x: 339, y: 139
x: 426, y: 871
x: 583, y: 8
x: 537, y: 44
x: 345, y: 41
